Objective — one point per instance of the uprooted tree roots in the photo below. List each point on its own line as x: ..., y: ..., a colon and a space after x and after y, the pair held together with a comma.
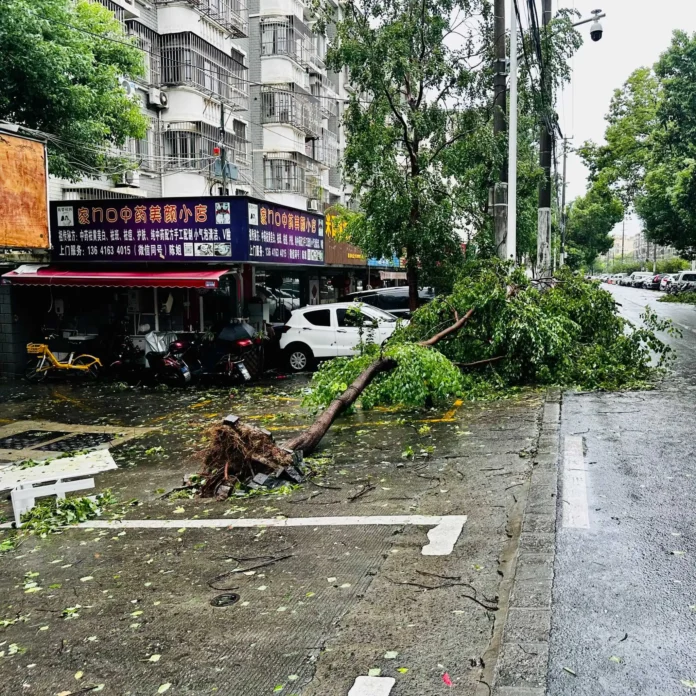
x: 236, y: 452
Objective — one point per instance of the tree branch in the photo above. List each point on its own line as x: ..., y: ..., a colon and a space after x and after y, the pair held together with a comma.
x: 449, y: 330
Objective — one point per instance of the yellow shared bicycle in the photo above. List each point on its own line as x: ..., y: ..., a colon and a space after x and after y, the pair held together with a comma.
x: 44, y: 361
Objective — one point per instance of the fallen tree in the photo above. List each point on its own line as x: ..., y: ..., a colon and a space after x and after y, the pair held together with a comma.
x: 236, y: 451
x: 515, y: 332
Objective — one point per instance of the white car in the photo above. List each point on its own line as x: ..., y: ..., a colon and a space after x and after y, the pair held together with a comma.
x: 318, y: 332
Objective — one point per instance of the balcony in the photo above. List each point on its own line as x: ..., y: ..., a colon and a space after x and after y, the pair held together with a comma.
x: 281, y: 105
x: 145, y: 151
x: 188, y: 146
x: 286, y: 172
x: 326, y: 148
x: 148, y: 41
x: 327, y: 102
x: 231, y: 15
x: 188, y: 60
x: 285, y: 36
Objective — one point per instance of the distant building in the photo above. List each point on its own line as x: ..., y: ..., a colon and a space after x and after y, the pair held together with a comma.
x: 261, y: 69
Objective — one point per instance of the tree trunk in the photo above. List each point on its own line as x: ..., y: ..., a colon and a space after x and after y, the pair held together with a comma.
x: 310, y: 438
x: 412, y: 278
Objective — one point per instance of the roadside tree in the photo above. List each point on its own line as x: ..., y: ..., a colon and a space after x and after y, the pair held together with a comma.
x: 60, y: 74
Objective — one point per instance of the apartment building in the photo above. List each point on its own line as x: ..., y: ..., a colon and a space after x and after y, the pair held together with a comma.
x: 255, y: 71
x: 645, y: 250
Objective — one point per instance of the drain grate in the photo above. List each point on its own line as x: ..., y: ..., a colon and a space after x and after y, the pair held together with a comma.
x: 28, y: 438
x: 79, y: 441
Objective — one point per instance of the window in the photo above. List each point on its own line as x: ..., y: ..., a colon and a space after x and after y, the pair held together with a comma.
x: 351, y: 319
x: 391, y: 301
x: 319, y: 317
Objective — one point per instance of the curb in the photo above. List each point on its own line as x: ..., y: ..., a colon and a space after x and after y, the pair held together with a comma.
x: 522, y: 664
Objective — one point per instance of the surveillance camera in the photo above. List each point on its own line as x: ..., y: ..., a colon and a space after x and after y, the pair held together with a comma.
x: 596, y: 31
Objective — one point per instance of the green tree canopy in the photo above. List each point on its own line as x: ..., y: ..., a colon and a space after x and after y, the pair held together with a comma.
x: 649, y: 157
x: 59, y: 75
x: 590, y: 220
x: 420, y: 149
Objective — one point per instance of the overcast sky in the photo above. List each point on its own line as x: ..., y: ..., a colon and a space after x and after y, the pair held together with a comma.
x: 636, y: 32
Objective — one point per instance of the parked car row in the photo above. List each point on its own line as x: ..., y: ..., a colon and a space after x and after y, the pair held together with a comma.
x: 666, y: 282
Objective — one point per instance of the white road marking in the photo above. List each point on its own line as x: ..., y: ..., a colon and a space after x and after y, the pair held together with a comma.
x: 372, y: 686
x: 442, y: 538
x: 575, y: 510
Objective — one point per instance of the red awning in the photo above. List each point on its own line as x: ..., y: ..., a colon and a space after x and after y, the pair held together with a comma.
x: 115, y: 279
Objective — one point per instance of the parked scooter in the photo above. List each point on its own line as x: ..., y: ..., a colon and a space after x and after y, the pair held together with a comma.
x: 234, y: 353
x: 128, y: 361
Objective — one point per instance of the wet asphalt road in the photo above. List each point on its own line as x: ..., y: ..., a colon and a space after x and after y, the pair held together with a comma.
x: 624, y: 603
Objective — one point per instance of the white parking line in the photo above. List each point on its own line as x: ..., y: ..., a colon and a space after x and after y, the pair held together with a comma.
x: 442, y: 537
x: 575, y: 510
x: 372, y: 686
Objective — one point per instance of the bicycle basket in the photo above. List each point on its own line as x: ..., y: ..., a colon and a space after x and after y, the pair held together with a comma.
x: 36, y: 348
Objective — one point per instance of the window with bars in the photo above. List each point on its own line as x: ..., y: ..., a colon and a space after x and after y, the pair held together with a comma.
x: 281, y: 105
x: 148, y: 41
x: 282, y: 175
x: 189, y: 145
x: 188, y: 59
x: 240, y: 142
x: 144, y: 150
x: 280, y: 37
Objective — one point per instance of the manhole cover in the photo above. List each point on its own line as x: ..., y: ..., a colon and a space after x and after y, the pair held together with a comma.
x: 79, y: 441
x: 28, y: 438
x: 224, y: 600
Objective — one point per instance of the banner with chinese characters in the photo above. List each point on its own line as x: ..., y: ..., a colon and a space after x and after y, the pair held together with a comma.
x: 338, y: 250
x: 185, y: 230
x: 285, y: 235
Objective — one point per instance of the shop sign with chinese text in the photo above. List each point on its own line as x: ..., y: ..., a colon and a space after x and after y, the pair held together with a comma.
x: 185, y: 230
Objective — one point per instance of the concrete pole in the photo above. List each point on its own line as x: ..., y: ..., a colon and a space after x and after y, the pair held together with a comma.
x: 545, y: 145
x: 563, y: 202
x: 623, y: 238
x: 500, y: 191
x: 512, y: 141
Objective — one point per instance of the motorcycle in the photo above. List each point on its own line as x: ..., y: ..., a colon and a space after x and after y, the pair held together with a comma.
x: 128, y: 361
x: 234, y: 353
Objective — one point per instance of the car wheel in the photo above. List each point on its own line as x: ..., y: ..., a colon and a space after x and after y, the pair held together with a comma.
x: 300, y: 357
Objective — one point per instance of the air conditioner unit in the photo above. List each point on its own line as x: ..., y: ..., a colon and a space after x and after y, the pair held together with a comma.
x: 133, y: 178
x: 313, y: 204
x: 129, y: 87
x: 157, y: 98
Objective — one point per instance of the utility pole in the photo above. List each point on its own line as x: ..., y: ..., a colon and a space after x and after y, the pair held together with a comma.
x: 563, y: 201
x: 223, y: 150
x: 545, y: 145
x: 500, y: 190
x: 623, y: 238
x: 512, y: 142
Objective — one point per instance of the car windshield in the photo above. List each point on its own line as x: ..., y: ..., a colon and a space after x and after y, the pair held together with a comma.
x: 380, y: 314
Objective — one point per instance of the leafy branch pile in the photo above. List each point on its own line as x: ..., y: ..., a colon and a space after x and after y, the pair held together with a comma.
x: 565, y: 332
x: 51, y: 514
x: 681, y: 298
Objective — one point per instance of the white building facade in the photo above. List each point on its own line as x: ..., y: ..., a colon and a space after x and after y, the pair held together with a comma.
x: 219, y: 72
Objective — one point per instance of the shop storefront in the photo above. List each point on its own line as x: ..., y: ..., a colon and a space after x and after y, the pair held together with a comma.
x: 167, y: 265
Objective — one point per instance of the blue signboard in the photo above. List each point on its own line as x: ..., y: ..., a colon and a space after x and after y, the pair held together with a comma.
x: 185, y: 230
